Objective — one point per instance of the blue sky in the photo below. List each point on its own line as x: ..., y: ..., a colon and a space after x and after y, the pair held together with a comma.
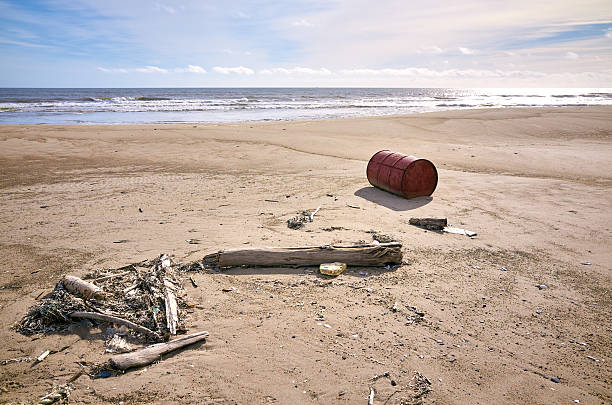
x: 433, y: 43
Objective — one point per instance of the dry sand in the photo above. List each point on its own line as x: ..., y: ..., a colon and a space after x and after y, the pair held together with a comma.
x: 534, y: 183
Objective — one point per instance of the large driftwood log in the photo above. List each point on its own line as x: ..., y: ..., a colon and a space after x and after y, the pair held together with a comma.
x: 359, y: 255
x: 152, y: 353
x: 83, y: 288
x: 113, y: 319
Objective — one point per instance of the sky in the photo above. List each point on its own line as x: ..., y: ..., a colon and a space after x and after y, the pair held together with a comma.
x: 306, y: 43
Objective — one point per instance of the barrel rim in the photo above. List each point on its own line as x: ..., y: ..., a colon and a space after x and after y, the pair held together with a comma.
x: 434, y: 169
x: 370, y: 161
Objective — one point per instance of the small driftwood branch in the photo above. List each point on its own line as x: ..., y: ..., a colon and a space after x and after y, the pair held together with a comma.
x: 152, y: 353
x: 109, y: 318
x: 436, y: 224
x: 83, y: 288
x: 359, y: 255
x: 314, y: 213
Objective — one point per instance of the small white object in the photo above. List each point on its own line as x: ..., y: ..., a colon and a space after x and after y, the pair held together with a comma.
x: 459, y: 231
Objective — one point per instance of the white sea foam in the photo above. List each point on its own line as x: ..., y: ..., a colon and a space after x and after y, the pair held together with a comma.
x: 221, y: 105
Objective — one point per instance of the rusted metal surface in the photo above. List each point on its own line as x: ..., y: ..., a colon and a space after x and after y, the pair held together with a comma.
x: 403, y: 175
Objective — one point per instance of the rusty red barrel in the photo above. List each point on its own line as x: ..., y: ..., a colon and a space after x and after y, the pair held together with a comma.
x: 403, y: 175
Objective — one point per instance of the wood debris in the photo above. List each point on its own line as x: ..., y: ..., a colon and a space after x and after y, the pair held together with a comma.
x: 354, y: 255
x: 433, y: 224
x: 142, y: 293
x: 152, y: 353
x: 83, y: 288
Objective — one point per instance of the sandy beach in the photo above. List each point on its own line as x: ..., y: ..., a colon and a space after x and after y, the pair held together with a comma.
x: 533, y: 183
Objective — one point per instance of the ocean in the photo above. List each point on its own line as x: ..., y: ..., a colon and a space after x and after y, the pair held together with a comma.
x: 216, y: 105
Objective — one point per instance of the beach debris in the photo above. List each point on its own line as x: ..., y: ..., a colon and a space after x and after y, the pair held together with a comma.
x: 193, y: 283
x: 138, y: 292
x: 43, y: 356
x: 83, y: 288
x: 118, y: 344
x: 59, y: 393
x: 383, y: 238
x: 433, y: 224
x: 139, y: 209
x: 353, y: 206
x: 378, y: 376
x: 556, y: 380
x: 542, y: 286
x: 354, y: 255
x: 503, y: 268
x: 314, y: 213
x: 587, y: 263
x: 10, y: 385
x: 333, y: 228
x: 371, y: 397
x: 459, y: 231
x: 593, y: 358
x: 420, y: 384
x: 301, y: 219
x: 332, y: 269
x: 114, y: 319
x: 193, y: 241
x: 121, y: 241
x: 16, y: 360
x: 149, y: 354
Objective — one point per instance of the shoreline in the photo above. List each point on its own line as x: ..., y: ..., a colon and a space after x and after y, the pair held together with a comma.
x: 533, y: 183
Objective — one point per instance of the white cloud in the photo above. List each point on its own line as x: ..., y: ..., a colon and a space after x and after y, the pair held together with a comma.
x: 299, y: 70
x: 571, y: 55
x: 22, y: 43
x: 146, y: 69
x: 163, y: 7
x: 466, y: 51
x: 450, y: 73
x: 431, y: 49
x: 112, y: 70
x: 239, y: 70
x: 301, y: 23
x: 191, y: 69
x: 151, y: 69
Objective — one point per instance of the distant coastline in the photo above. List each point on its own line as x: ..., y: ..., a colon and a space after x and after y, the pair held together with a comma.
x: 218, y: 105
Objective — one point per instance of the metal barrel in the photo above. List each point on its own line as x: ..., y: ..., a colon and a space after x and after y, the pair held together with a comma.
x: 404, y: 175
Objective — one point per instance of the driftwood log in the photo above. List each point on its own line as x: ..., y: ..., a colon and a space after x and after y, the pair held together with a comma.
x: 358, y: 255
x: 83, y: 288
x: 436, y: 224
x: 113, y: 319
x: 152, y: 353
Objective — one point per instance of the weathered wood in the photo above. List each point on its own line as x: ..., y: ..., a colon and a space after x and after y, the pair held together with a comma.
x: 436, y: 224
x: 171, y: 311
x: 113, y: 319
x: 83, y: 288
x: 152, y: 353
x: 169, y: 297
x: 359, y: 255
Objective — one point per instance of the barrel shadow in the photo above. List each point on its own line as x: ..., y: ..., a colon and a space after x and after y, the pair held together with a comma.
x: 391, y: 201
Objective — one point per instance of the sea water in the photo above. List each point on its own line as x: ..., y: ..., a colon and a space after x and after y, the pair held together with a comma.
x: 215, y: 105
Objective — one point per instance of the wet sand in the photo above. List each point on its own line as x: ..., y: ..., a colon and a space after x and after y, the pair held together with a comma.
x: 533, y: 183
